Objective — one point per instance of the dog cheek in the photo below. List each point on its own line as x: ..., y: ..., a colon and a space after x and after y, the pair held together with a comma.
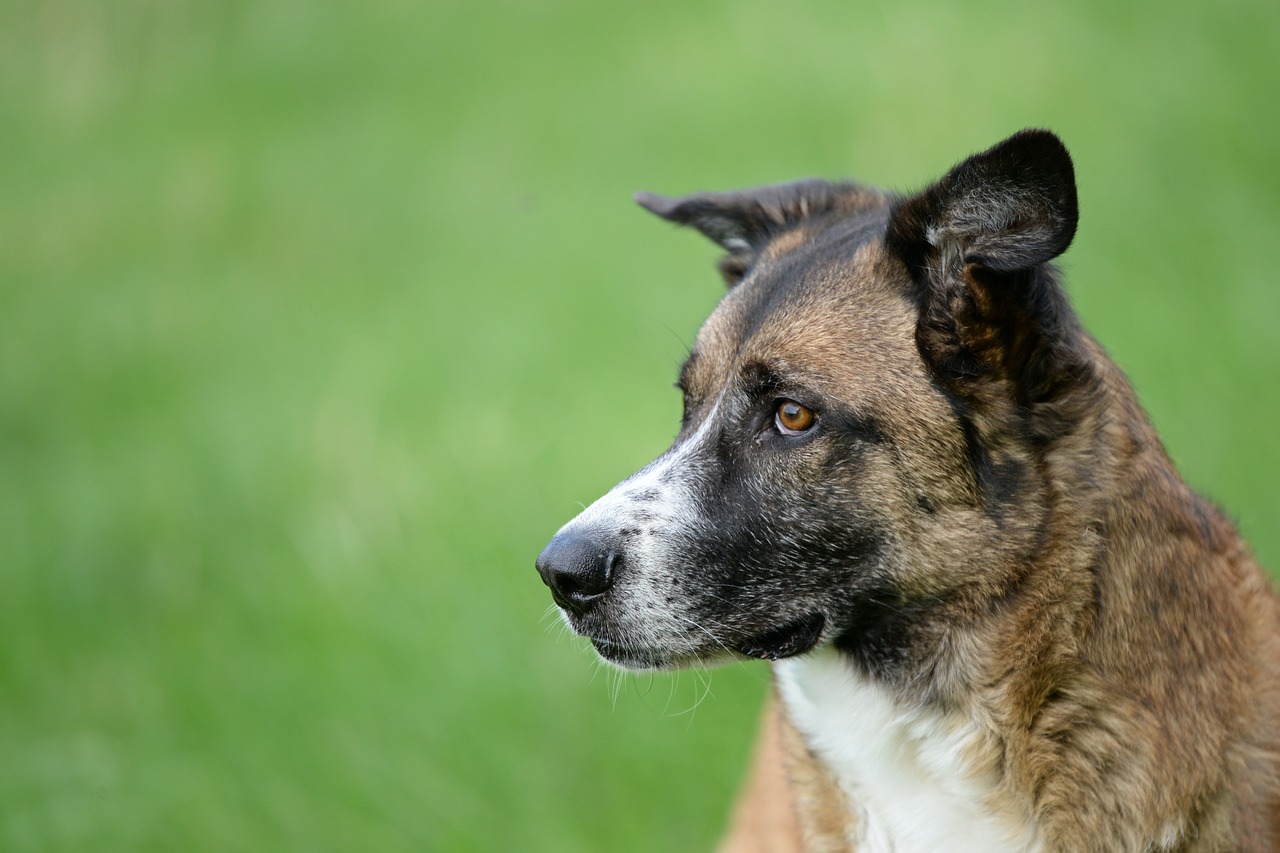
x: 784, y: 562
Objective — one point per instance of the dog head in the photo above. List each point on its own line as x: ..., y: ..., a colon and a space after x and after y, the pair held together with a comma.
x: 861, y: 417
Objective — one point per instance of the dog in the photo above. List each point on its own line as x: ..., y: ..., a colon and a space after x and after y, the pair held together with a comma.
x: 998, y: 619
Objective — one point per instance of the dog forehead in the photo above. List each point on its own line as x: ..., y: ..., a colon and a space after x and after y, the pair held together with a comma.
x: 847, y: 320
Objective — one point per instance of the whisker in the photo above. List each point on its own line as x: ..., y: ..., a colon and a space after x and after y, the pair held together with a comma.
x: 698, y: 673
x: 671, y: 692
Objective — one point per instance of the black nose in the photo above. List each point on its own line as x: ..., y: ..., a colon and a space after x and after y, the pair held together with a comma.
x: 579, y: 571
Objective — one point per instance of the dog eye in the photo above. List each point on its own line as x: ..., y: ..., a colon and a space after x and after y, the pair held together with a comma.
x: 791, y: 418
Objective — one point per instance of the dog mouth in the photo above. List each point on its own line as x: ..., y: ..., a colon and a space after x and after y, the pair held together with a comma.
x: 792, y: 638
x: 787, y: 640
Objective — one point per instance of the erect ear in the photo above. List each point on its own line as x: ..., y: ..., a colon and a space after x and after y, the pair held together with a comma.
x: 976, y: 243
x: 743, y: 222
x: 1009, y: 208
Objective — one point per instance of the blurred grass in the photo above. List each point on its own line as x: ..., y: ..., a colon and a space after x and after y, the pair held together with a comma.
x: 317, y: 319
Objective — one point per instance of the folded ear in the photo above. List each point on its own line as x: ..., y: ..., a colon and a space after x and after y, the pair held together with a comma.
x: 976, y: 243
x: 743, y: 222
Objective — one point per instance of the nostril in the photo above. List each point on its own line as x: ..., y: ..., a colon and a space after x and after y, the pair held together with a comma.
x: 578, y: 571
x: 587, y: 581
x: 570, y: 587
x: 612, y: 563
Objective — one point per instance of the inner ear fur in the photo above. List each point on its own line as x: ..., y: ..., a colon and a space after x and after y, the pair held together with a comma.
x: 742, y: 222
x: 978, y: 243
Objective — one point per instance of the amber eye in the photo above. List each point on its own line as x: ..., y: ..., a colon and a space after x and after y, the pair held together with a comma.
x: 791, y: 418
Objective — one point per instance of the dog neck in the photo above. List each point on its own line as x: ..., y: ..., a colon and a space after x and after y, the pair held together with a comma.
x: 917, y: 778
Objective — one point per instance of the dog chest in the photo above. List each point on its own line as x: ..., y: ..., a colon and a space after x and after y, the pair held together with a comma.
x: 908, y: 772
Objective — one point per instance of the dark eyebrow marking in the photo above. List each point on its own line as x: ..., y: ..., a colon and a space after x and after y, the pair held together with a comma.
x: 759, y: 378
x: 849, y: 422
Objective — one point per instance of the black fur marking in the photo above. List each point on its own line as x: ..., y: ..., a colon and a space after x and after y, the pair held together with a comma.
x: 999, y: 479
x: 759, y: 379
x: 850, y: 423
x: 884, y: 631
x: 975, y: 451
x: 1002, y: 482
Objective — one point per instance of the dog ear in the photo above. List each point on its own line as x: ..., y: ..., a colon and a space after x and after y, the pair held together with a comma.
x: 1009, y: 208
x: 976, y: 243
x: 743, y: 222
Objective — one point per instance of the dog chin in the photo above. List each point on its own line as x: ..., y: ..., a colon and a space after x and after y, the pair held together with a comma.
x: 642, y: 659
x: 787, y: 640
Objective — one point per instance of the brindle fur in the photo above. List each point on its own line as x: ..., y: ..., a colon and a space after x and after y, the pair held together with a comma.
x: 987, y: 523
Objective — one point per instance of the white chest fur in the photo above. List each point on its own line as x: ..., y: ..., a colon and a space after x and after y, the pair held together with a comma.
x: 904, y: 769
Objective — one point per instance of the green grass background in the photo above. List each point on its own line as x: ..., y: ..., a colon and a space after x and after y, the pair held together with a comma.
x: 318, y: 319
